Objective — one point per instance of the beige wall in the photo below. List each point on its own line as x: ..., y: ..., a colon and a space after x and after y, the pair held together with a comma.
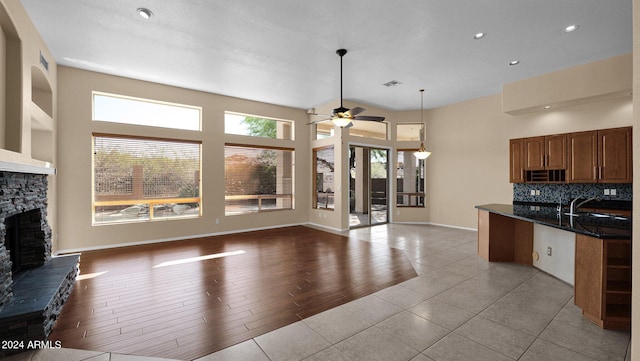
x: 75, y: 230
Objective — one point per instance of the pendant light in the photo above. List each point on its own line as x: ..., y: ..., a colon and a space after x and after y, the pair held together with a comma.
x: 422, y: 153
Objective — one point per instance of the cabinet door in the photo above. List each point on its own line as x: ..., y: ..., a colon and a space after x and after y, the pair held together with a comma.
x: 516, y: 160
x: 583, y: 157
x: 555, y: 151
x: 615, y: 152
x: 534, y: 153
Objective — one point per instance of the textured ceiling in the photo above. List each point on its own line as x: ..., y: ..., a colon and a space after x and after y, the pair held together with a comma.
x: 283, y: 51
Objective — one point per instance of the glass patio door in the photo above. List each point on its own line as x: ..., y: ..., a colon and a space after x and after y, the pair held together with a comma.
x: 368, y: 186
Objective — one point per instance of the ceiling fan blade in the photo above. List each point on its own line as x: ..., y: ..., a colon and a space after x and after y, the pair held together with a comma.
x: 355, y: 111
x: 371, y: 118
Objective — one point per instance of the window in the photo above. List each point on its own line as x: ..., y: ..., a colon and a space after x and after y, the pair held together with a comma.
x: 323, y: 193
x: 410, y: 190
x: 409, y: 132
x: 324, y: 130
x: 257, y: 179
x: 136, y: 111
x: 141, y: 179
x: 243, y: 124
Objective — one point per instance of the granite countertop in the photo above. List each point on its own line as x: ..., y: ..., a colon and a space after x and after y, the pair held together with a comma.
x: 594, y: 224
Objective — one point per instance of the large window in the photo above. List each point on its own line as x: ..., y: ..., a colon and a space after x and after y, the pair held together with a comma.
x: 410, y: 190
x: 137, y: 111
x: 141, y: 179
x: 255, y: 126
x: 323, y: 193
x: 258, y: 179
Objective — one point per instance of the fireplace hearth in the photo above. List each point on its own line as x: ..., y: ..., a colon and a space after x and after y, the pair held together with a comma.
x: 33, y: 284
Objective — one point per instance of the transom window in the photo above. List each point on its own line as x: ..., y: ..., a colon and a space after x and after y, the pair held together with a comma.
x: 141, y: 179
x: 255, y: 126
x: 138, y: 111
x: 258, y: 179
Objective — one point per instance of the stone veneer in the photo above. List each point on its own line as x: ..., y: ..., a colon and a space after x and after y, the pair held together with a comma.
x: 32, y: 299
x: 19, y: 193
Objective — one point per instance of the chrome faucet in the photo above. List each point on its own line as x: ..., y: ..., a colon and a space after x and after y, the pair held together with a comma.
x: 573, y: 208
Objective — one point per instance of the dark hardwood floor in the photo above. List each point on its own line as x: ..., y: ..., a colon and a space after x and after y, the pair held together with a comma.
x: 190, y: 298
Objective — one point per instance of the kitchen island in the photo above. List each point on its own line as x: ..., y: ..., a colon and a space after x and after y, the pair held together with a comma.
x: 597, y: 242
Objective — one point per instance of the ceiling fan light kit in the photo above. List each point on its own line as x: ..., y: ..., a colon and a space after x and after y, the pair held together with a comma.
x: 343, y: 117
x: 422, y: 153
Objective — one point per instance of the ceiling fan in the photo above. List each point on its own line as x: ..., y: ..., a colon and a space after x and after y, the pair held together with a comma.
x: 342, y: 116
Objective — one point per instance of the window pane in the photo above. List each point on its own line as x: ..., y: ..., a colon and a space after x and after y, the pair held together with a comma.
x: 410, y: 183
x: 324, y: 175
x: 374, y: 130
x: 120, y: 109
x: 257, y: 179
x: 137, y: 179
x: 324, y: 130
x: 408, y: 132
x: 242, y: 124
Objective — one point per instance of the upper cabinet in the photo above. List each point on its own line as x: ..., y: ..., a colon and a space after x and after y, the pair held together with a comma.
x: 599, y: 156
x: 548, y: 152
x: 516, y: 160
x: 615, y: 156
x: 602, y: 156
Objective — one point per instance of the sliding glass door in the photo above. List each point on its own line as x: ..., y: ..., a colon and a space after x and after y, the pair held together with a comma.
x: 368, y: 186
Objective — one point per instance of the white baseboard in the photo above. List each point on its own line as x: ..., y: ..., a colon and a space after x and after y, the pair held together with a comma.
x: 151, y: 241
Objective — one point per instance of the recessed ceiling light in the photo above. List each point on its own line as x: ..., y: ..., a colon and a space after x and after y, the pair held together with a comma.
x: 479, y: 36
x: 144, y: 12
x: 547, y: 107
x: 571, y: 28
x: 514, y: 62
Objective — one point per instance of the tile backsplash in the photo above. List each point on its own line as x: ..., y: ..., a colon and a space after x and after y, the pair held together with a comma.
x: 554, y: 193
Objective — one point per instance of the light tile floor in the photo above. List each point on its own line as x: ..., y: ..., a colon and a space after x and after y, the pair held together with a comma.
x: 459, y: 308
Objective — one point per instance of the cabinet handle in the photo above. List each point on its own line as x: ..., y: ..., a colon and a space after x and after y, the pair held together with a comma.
x: 595, y: 172
x: 599, y: 172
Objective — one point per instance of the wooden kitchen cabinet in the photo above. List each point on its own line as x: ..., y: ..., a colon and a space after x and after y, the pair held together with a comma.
x: 548, y: 152
x: 603, y: 281
x: 516, y: 161
x: 615, y: 155
x: 602, y: 156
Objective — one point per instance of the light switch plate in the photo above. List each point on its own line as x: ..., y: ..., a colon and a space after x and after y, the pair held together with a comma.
x: 613, y: 191
x: 607, y: 192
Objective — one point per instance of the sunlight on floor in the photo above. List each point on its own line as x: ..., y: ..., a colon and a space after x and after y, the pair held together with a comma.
x: 198, y: 259
x: 89, y: 275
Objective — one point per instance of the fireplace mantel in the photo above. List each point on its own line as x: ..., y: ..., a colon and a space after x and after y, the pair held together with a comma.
x: 26, y: 168
x: 19, y: 163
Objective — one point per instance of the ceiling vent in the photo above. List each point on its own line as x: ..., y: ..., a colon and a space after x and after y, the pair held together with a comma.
x: 392, y: 83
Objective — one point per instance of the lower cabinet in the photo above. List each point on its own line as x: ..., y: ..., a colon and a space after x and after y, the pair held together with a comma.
x: 603, y: 281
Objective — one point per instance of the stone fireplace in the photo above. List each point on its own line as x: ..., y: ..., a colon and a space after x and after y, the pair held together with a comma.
x: 33, y: 284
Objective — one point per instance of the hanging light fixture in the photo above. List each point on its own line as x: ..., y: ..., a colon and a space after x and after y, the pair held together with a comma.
x: 422, y: 153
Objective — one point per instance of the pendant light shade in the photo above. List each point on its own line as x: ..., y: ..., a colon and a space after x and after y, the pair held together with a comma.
x: 422, y: 153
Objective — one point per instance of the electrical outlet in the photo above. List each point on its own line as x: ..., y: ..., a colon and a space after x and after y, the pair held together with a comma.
x: 549, y: 251
x: 533, y: 192
x: 613, y: 192
x: 607, y: 192
x: 537, y: 192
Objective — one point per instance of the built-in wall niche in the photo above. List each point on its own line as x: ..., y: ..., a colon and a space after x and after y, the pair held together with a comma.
x: 41, y: 116
x: 11, y: 80
x: 41, y: 94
